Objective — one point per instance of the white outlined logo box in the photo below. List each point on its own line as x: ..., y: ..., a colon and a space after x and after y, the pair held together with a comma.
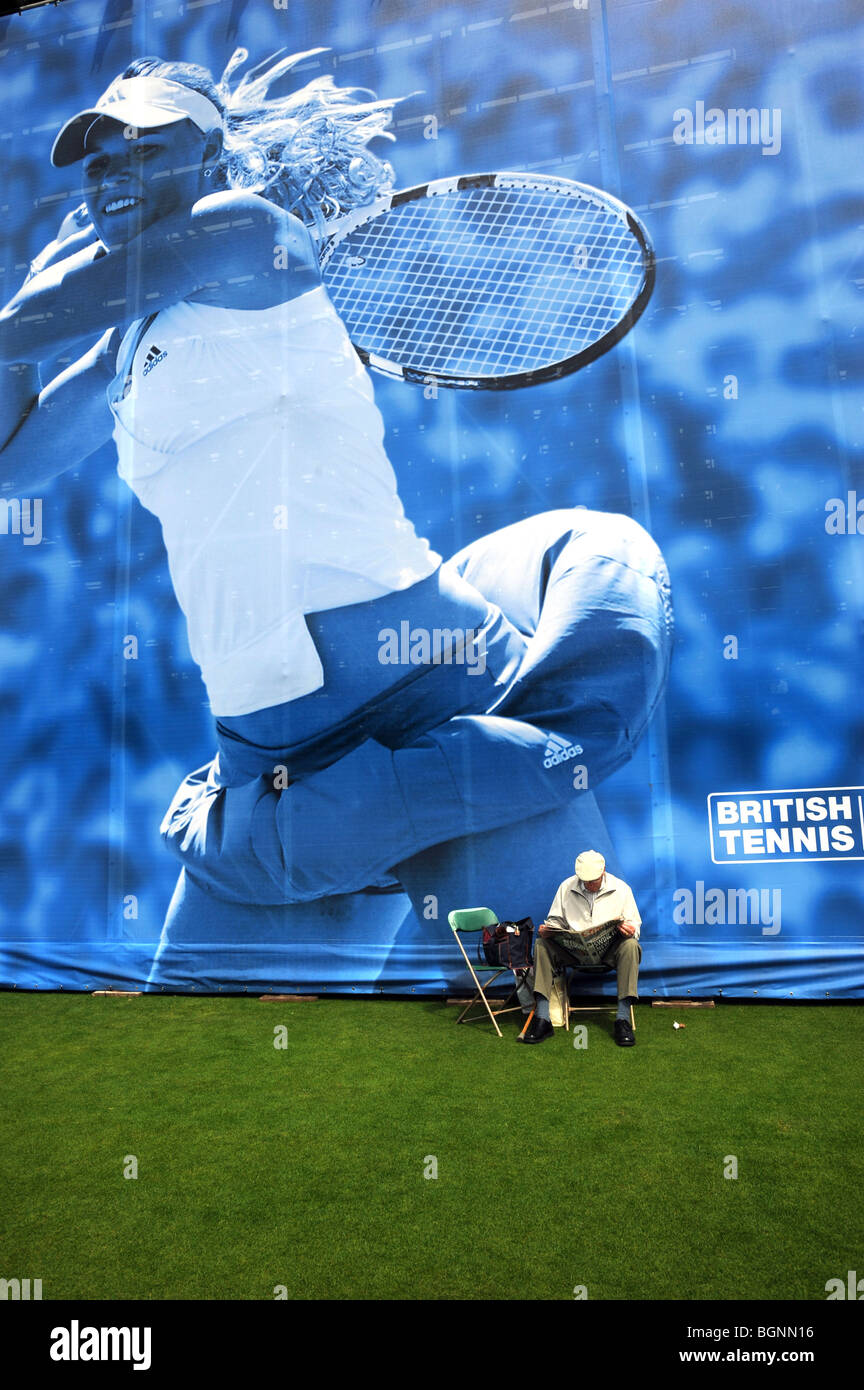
x: 793, y: 825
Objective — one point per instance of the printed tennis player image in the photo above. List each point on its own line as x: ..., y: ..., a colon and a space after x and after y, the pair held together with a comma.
x: 245, y: 420
x: 369, y: 438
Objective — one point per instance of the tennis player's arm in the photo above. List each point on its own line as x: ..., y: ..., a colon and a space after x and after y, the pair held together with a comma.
x: 236, y: 248
x: 19, y: 387
x: 61, y: 424
x: 21, y: 382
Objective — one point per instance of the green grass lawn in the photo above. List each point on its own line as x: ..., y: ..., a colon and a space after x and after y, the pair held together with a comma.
x: 304, y: 1166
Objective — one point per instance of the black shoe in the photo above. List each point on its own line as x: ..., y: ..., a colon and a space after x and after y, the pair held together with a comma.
x: 624, y: 1033
x: 538, y: 1031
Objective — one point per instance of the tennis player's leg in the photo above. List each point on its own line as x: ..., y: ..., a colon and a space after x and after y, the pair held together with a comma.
x: 210, y: 944
x: 592, y: 592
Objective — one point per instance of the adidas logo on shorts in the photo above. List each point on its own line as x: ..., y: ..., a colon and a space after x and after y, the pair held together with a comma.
x: 558, y: 750
x: 154, y: 357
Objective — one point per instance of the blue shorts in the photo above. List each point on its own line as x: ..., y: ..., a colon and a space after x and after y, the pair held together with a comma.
x: 443, y: 775
x: 477, y: 655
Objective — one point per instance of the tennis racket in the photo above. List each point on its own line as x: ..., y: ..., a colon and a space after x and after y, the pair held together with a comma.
x: 488, y: 281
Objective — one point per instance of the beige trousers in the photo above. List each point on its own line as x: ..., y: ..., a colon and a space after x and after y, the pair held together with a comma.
x: 550, y: 952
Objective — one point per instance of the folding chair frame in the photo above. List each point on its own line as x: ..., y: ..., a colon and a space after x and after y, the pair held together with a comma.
x: 481, y: 994
x: 586, y: 1008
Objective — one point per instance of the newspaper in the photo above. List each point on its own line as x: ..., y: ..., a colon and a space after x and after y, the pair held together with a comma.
x: 588, y: 947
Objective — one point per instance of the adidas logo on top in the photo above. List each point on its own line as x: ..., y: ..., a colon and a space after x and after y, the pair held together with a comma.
x: 558, y: 750
x: 154, y: 357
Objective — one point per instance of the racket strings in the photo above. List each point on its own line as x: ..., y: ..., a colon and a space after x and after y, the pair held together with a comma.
x: 487, y: 281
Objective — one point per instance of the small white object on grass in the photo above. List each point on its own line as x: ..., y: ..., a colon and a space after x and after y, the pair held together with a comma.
x: 679, y: 1025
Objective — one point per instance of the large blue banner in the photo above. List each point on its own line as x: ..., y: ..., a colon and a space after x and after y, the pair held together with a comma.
x: 304, y: 647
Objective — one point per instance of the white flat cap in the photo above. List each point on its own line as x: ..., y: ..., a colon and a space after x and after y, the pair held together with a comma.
x: 590, y: 865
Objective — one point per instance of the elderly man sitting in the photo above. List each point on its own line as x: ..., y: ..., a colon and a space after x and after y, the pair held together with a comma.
x: 592, y: 925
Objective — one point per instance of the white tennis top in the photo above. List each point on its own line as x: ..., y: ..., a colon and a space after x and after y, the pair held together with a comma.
x: 253, y: 435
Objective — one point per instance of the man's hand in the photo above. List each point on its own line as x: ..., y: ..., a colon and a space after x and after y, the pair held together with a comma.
x: 627, y: 929
x: 544, y: 929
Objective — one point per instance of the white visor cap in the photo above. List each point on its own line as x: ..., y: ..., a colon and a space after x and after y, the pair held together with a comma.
x: 590, y: 865
x: 141, y: 103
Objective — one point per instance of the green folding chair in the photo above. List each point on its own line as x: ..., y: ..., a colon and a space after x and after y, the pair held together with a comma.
x: 474, y: 919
